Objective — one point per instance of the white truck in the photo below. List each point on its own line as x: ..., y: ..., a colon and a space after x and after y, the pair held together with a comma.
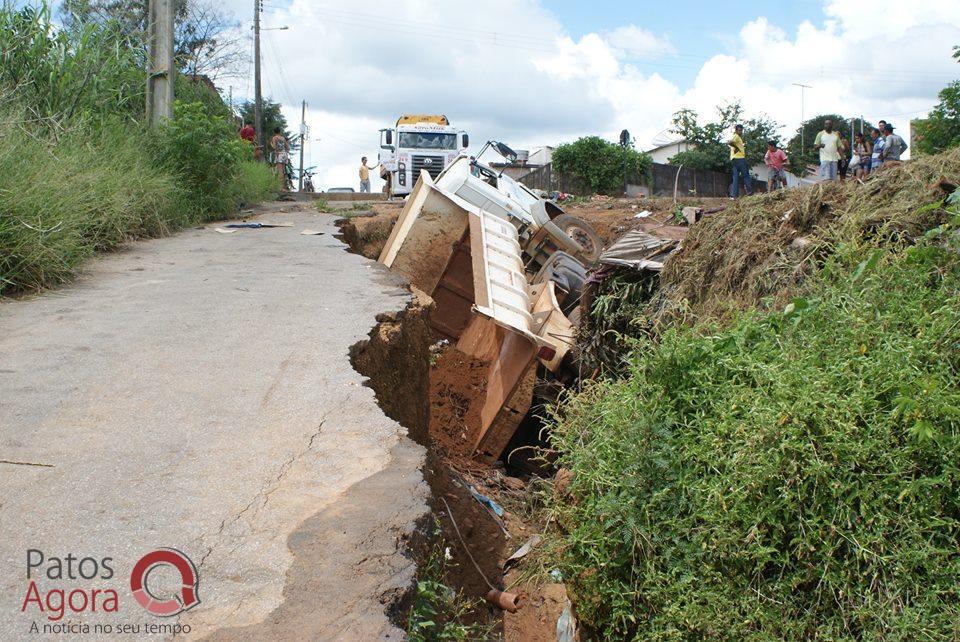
x: 418, y: 142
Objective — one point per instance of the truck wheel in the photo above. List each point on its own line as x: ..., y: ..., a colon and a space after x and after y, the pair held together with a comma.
x: 582, y: 233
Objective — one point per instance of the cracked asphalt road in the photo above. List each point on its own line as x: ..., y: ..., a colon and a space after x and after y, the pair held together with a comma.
x: 195, y: 392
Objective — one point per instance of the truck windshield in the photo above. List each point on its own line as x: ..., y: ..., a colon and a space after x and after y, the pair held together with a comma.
x: 428, y: 140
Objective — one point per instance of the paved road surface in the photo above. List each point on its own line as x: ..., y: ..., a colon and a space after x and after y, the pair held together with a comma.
x: 195, y: 392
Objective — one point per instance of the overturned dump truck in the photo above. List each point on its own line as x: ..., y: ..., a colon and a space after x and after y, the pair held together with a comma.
x: 505, y: 278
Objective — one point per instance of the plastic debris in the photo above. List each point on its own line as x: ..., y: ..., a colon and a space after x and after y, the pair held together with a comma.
x: 643, y: 214
x: 567, y: 625
x: 522, y: 551
x: 310, y: 232
x: 486, y: 501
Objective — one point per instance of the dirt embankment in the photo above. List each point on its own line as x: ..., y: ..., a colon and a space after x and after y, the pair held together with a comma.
x: 367, y: 233
x: 396, y: 361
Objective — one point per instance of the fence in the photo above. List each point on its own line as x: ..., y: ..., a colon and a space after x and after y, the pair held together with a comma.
x: 664, y: 177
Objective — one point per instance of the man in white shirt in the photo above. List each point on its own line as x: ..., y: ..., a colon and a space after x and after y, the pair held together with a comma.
x: 828, y: 142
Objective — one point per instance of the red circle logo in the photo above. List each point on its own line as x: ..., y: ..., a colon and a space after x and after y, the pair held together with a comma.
x: 190, y: 582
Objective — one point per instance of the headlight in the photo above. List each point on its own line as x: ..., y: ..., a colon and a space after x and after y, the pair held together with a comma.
x: 402, y: 170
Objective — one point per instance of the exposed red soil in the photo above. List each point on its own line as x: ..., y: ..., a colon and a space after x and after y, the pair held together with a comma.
x: 613, y: 217
x: 458, y: 384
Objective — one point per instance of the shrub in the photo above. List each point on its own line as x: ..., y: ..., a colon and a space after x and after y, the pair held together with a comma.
x: 795, y: 476
x: 203, y: 150
x: 600, y: 164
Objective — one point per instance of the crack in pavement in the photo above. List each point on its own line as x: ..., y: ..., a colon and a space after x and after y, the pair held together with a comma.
x: 265, y: 492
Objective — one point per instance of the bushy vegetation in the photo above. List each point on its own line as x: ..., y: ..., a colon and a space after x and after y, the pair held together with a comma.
x: 600, y: 165
x: 79, y: 170
x: 791, y: 475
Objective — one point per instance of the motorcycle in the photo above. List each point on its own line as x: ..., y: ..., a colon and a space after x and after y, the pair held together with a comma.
x: 308, y: 180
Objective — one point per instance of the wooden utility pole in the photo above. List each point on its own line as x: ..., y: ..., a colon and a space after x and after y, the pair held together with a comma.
x: 161, y: 70
x: 303, y: 138
x: 258, y: 97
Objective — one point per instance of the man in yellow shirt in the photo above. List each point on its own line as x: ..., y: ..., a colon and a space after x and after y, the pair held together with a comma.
x: 738, y: 158
x: 365, y: 175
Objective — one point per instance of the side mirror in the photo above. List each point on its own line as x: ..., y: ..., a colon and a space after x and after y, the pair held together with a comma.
x: 506, y: 152
x: 465, y: 141
x: 388, y: 137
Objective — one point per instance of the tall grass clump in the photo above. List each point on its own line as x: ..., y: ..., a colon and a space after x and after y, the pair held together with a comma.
x: 61, y: 203
x: 791, y: 475
x: 79, y: 170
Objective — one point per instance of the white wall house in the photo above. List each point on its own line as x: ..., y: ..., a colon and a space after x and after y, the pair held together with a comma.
x: 664, y: 153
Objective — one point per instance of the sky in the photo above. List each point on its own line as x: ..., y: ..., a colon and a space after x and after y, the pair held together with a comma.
x: 542, y: 72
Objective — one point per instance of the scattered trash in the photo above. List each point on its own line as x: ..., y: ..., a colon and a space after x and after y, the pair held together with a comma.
x: 310, y: 232
x: 556, y: 575
x: 503, y: 600
x: 223, y: 230
x: 639, y: 250
x: 567, y: 625
x: 692, y: 214
x: 486, y: 501
x: 522, y: 551
x: 643, y: 214
x: 257, y: 225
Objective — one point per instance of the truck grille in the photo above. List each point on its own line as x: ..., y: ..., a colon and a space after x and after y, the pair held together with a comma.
x: 434, y: 167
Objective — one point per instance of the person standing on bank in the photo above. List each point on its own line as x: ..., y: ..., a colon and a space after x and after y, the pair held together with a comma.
x: 738, y: 161
x: 365, y: 175
x: 893, y: 145
x: 828, y: 142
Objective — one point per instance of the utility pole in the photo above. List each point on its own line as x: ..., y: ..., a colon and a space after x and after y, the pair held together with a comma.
x: 303, y: 139
x: 802, y: 88
x: 258, y: 98
x: 161, y: 70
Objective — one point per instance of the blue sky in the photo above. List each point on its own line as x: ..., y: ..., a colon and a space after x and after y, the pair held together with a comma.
x: 698, y: 28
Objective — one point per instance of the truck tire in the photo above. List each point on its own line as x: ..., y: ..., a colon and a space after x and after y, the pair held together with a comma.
x: 582, y: 233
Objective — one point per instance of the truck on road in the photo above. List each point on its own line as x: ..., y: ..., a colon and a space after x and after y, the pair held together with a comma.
x: 418, y: 142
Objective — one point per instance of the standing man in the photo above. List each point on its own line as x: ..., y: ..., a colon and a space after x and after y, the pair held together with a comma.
x: 828, y: 142
x: 775, y: 159
x: 738, y: 159
x: 365, y: 175
x: 893, y: 145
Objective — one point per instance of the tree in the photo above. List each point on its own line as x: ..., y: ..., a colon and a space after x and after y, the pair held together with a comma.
x: 207, y: 40
x: 941, y: 129
x: 600, y: 164
x: 270, y: 117
x: 709, y: 140
x: 803, y: 155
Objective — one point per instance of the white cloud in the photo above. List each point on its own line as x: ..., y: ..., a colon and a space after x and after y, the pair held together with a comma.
x: 632, y: 40
x: 506, y: 69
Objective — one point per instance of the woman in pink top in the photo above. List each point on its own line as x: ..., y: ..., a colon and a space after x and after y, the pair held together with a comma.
x: 775, y: 159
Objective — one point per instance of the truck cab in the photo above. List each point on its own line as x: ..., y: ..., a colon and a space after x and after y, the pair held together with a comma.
x: 418, y: 142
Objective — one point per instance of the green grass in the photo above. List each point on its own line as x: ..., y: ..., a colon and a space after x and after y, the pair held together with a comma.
x: 61, y: 201
x: 438, y: 610
x: 791, y: 475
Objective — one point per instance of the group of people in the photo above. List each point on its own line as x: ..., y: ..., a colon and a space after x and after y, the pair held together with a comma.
x: 838, y: 156
x: 279, y: 148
